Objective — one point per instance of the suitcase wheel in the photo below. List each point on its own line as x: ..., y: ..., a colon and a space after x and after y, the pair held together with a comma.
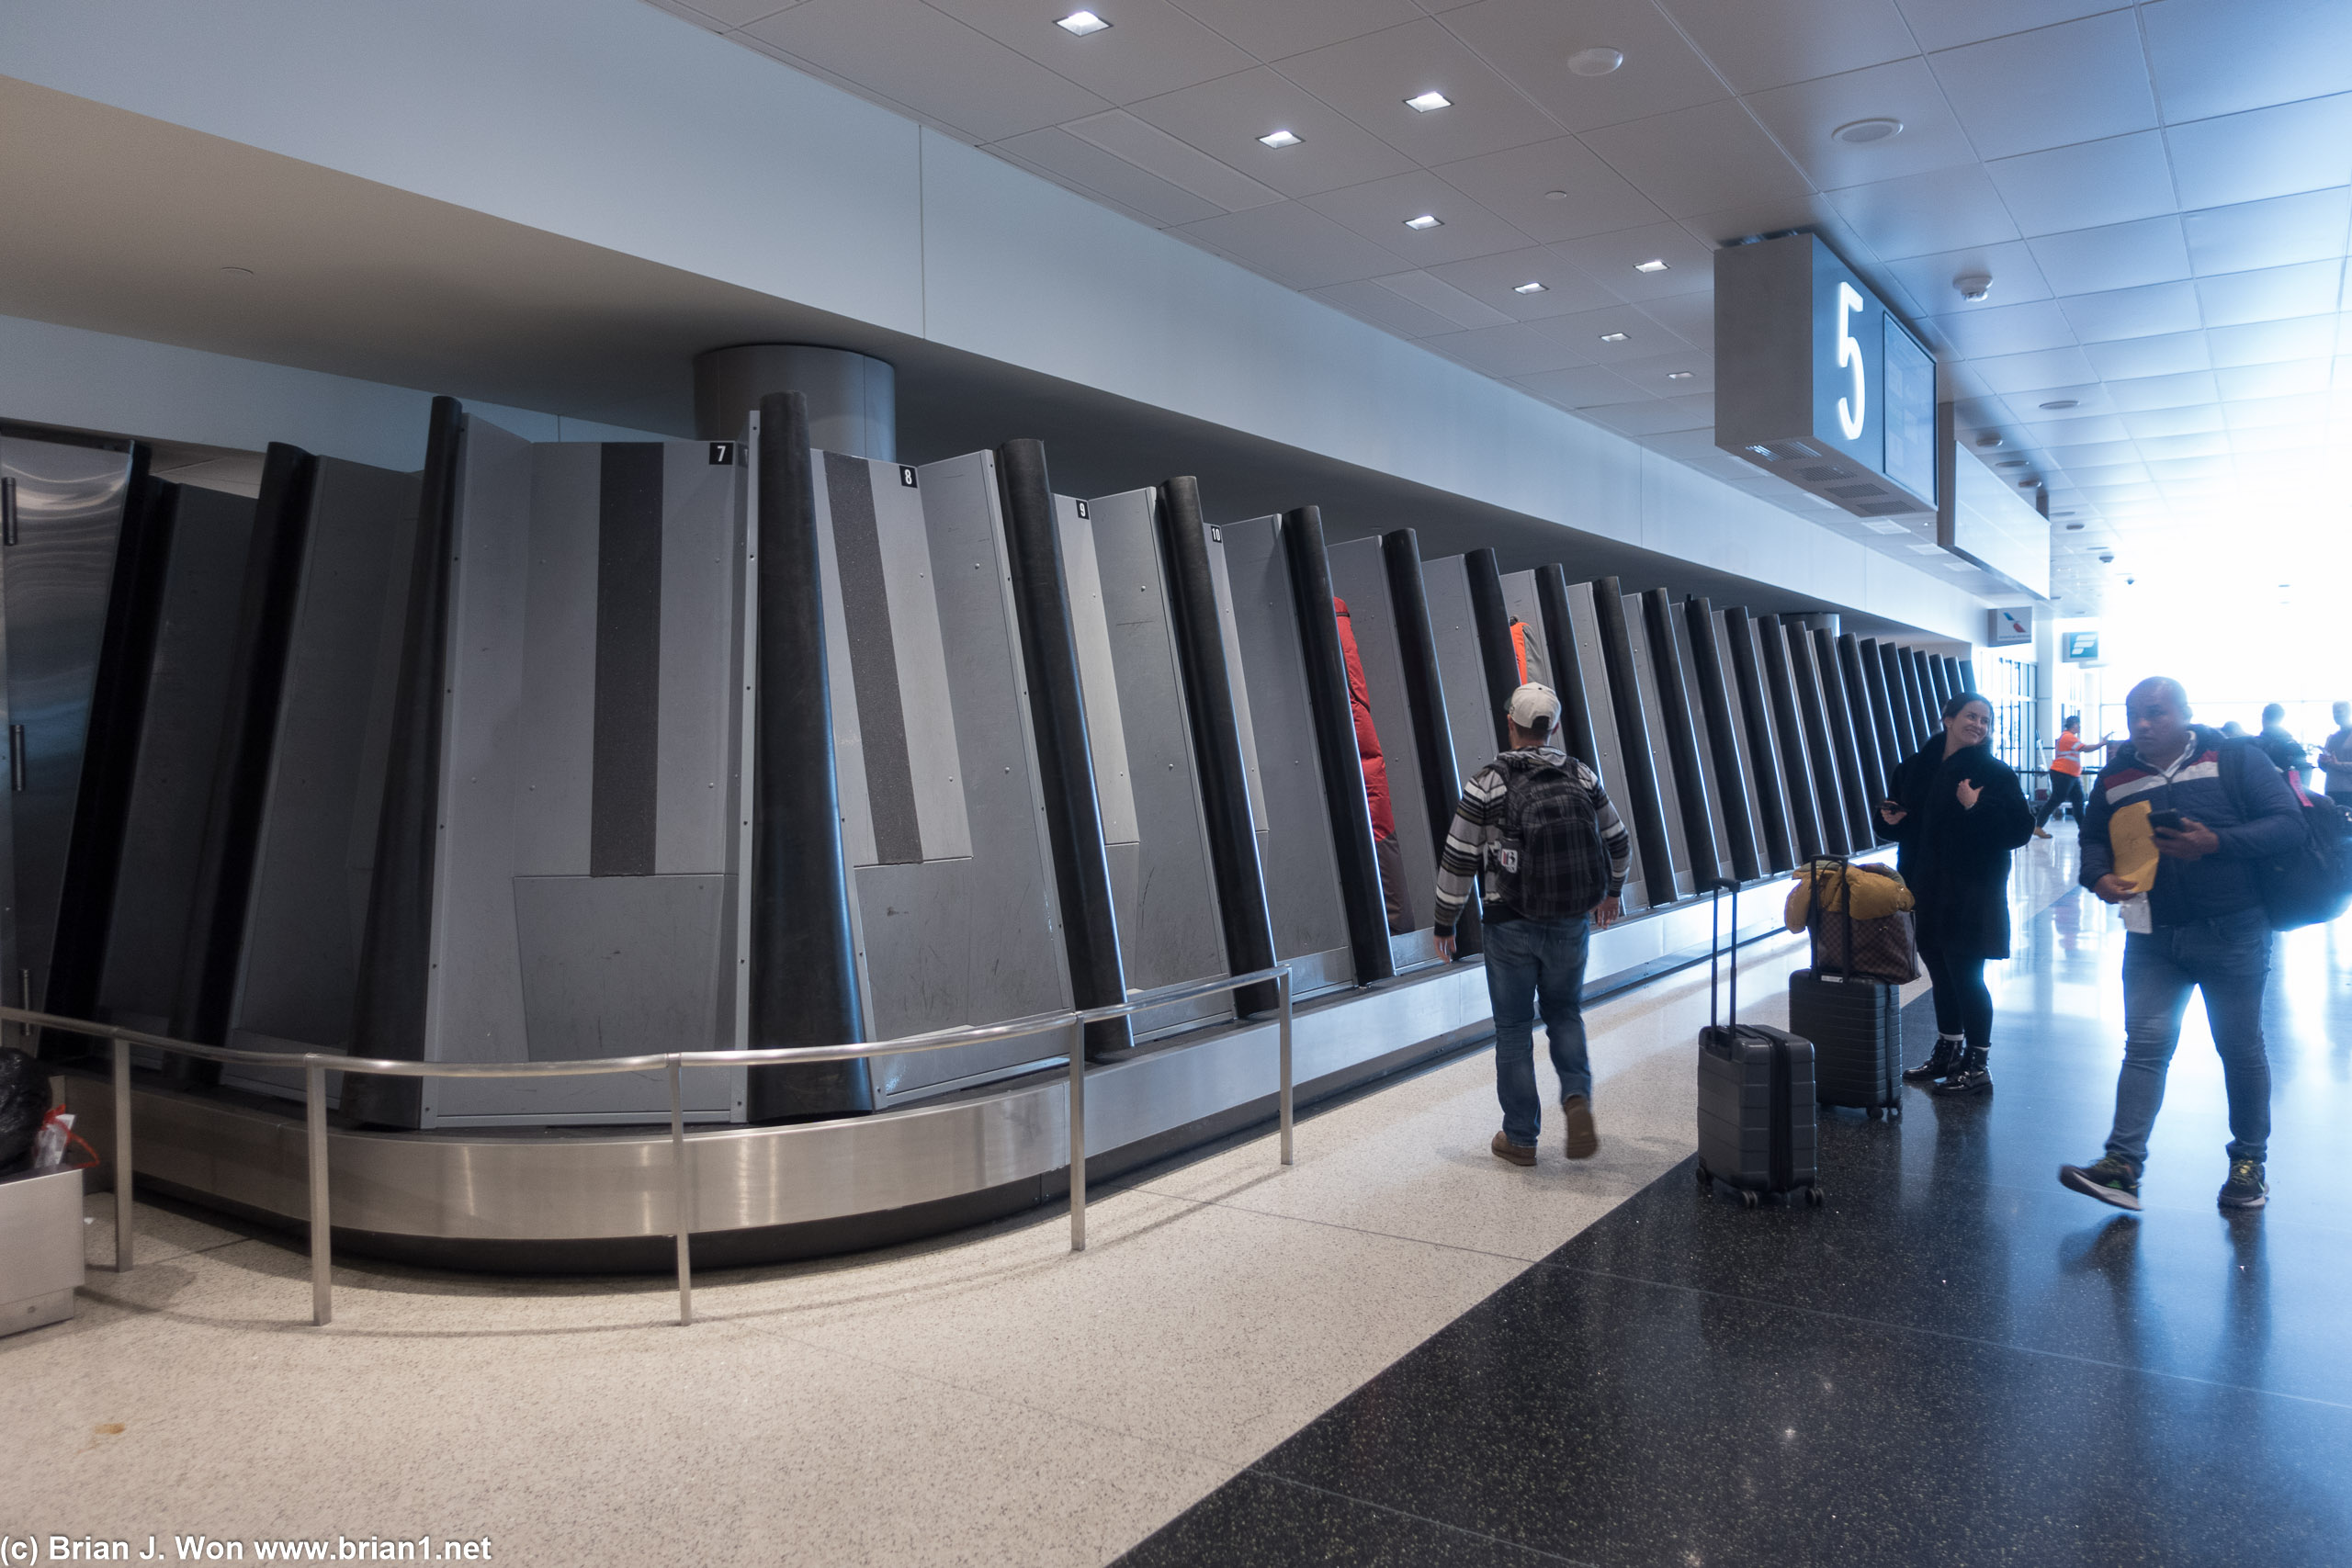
x: 1894, y: 1112
x: 1814, y: 1196
x: 1877, y: 1113
x: 1706, y: 1178
x: 1747, y: 1196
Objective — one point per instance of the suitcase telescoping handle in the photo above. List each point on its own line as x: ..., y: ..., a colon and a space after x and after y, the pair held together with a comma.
x: 1714, y: 946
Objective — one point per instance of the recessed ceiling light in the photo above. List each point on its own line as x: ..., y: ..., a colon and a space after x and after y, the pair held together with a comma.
x: 1425, y: 221
x: 237, y: 271
x: 1862, y: 133
x: 1556, y: 196
x: 1595, y: 62
x: 1083, y: 23
x: 1613, y: 337
x: 1678, y: 375
x: 1279, y: 138
x: 1424, y: 102
x: 1653, y: 264
x: 2073, y: 527
x: 2010, y: 463
x: 1530, y: 287
x: 1988, y: 440
x: 2063, y: 403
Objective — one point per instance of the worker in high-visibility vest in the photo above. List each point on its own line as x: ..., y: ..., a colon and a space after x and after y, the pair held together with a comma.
x: 2066, y: 774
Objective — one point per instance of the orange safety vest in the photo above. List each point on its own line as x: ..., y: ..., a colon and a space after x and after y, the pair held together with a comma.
x: 2070, y: 754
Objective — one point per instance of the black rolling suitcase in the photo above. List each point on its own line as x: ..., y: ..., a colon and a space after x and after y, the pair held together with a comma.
x: 1856, y: 1025
x: 1755, y: 1095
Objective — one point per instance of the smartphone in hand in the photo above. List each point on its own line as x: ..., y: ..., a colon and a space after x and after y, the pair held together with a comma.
x: 2167, y: 821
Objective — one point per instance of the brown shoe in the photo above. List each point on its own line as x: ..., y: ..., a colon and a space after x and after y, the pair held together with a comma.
x: 2041, y: 832
x: 1583, y: 1141
x: 1518, y: 1154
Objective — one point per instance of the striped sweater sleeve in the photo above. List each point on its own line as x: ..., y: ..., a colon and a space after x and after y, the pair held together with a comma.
x: 1615, y: 841
x: 1477, y: 818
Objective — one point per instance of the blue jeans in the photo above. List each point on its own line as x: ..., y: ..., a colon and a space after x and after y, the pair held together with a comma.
x: 2228, y: 958
x: 1528, y: 960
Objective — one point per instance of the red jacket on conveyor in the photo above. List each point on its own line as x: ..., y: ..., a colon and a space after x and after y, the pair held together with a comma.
x: 1375, y: 771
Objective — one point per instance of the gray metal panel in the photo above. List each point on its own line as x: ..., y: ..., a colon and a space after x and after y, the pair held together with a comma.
x: 1743, y: 765
x: 179, y: 743
x: 849, y: 746
x: 1520, y: 598
x: 620, y: 966
x: 1447, y: 591
x: 315, y: 855
x: 1360, y: 576
x: 1221, y: 582
x: 1669, y: 798
x: 925, y: 700
x: 1699, y: 730
x: 1301, y: 870
x: 1169, y: 930
x: 700, y: 513
x: 54, y: 584
x: 973, y: 939
x: 557, y: 719
x: 1090, y: 628
x: 1611, y: 763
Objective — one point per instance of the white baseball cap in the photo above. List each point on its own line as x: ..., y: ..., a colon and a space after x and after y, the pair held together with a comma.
x: 1535, y: 706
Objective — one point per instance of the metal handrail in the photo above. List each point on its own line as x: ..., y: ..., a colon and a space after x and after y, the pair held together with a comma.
x: 316, y: 1065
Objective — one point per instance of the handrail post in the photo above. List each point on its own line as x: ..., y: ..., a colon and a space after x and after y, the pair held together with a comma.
x: 125, y: 1223
x: 314, y: 1110
x: 1284, y: 1054
x: 1078, y: 1139
x: 683, y: 1189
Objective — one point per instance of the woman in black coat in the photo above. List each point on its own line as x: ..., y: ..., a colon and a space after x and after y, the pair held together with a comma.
x: 1957, y: 812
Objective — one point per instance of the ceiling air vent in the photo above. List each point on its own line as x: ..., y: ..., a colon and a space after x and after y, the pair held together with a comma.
x: 1857, y: 492
x: 1886, y: 509
x: 1821, y: 475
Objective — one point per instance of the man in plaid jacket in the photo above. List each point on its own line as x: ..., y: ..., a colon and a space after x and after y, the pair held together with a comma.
x: 1536, y: 956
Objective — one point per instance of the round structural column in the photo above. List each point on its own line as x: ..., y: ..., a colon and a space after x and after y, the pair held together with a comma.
x: 853, y: 397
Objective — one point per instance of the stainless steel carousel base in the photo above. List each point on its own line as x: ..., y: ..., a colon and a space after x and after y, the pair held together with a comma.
x: 595, y: 1199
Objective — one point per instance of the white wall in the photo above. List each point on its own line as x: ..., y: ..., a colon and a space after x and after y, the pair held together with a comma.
x: 608, y: 121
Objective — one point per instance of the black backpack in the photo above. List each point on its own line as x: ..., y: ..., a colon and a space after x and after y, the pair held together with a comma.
x: 1549, y: 864
x: 2311, y: 884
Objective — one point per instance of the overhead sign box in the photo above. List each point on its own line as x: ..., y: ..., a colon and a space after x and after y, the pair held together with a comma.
x: 1983, y: 518
x: 2080, y: 646
x: 2009, y: 626
x: 1816, y: 382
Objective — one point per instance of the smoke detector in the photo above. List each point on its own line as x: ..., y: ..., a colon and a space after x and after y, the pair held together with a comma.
x: 1973, y: 286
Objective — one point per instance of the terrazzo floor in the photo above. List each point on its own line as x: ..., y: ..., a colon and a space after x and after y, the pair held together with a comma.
x: 987, y: 1399
x: 1955, y: 1361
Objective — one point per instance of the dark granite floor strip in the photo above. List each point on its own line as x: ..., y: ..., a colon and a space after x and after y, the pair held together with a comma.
x: 1955, y: 1361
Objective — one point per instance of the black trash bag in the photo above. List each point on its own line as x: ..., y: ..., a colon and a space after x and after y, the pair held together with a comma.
x: 24, y: 1102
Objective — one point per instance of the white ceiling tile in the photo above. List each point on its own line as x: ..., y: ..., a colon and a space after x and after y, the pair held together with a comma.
x: 2266, y: 343
x: 1652, y: 416
x: 1494, y: 280
x: 2172, y: 471
x: 2272, y: 294
x: 1064, y: 158
x: 2216, y: 57
x: 2025, y: 372
x: 1610, y: 259
x: 1690, y: 317
x: 2133, y: 358
x: 2175, y: 422
x: 2263, y: 152
x: 1760, y: 44
x: 2017, y: 276
x: 2075, y: 81
x: 2086, y: 184
x: 1368, y: 79
x: 728, y: 13
x: 2278, y: 233
x: 1378, y: 210
x: 2197, y: 444
x: 2279, y: 379
x: 1943, y: 209
x: 1294, y: 244
x: 2091, y: 454
x: 1368, y: 301
x: 1645, y: 338
x: 1435, y: 294
x: 927, y: 58
x: 1180, y: 164
x: 1150, y: 48
x: 2004, y: 329
x: 1530, y: 40
x: 1679, y: 372
x: 1943, y: 24
x: 1273, y: 29
x: 2120, y: 255
x: 1225, y: 119
x: 2167, y: 391
x: 1805, y: 114
x: 1694, y: 160
x: 2146, y: 311
x: 1587, y: 386
x: 2259, y: 413
x: 1516, y: 185
x: 2278, y: 438
x: 1511, y: 350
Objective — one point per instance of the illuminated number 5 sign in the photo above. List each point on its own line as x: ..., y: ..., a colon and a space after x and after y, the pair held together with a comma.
x: 1850, y: 410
